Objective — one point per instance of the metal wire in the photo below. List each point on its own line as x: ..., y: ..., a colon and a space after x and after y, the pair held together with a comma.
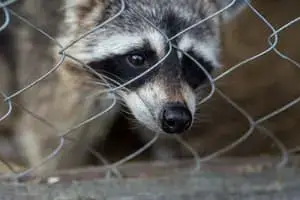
x: 264, y: 20
x: 281, y: 147
x: 64, y: 135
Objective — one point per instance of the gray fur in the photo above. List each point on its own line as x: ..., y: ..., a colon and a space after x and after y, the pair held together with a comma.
x: 236, y: 6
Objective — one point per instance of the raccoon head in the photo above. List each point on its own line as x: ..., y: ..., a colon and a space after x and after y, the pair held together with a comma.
x: 163, y: 99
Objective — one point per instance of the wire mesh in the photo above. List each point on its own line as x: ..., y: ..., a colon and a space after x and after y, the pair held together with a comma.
x: 66, y: 135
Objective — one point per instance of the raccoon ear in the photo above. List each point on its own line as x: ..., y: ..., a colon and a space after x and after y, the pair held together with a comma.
x: 84, y: 12
x: 236, y: 7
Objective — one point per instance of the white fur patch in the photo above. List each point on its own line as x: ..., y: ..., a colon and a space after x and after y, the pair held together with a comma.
x: 190, y: 98
x: 154, y: 94
x: 207, y: 49
x: 146, y: 105
x: 140, y: 110
x: 116, y: 44
x: 157, y: 42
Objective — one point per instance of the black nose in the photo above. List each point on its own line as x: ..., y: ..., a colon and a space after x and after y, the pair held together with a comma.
x: 175, y: 118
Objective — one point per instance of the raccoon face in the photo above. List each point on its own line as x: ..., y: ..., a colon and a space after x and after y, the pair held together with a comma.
x: 163, y: 99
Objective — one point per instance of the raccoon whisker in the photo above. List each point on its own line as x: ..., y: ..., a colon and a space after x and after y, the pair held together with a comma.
x: 110, y: 85
x: 98, y: 83
x: 111, y: 81
x: 199, y: 123
x: 108, y: 98
x: 134, y: 124
x: 197, y: 118
x: 127, y: 115
x: 99, y: 95
x: 121, y: 102
x: 200, y: 113
x: 112, y: 77
x: 109, y: 75
x: 104, y: 76
x: 130, y: 117
x: 202, y: 119
x: 124, y: 111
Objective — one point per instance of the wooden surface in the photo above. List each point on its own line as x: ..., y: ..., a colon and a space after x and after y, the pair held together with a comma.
x: 251, y: 179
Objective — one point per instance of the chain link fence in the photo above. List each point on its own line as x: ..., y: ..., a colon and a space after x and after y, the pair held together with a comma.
x: 244, y: 74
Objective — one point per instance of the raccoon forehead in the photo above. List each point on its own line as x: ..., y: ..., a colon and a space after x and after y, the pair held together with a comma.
x: 129, y: 31
x: 119, y: 44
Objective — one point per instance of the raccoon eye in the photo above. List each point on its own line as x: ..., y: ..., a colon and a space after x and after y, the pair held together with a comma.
x: 192, y: 72
x: 136, y: 60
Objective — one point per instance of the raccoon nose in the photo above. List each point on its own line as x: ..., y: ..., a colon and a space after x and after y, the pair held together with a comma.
x: 175, y: 118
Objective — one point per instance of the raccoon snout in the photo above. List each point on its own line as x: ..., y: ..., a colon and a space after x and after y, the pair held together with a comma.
x: 175, y: 118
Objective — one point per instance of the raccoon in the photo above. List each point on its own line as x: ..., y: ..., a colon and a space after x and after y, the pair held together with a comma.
x: 139, y: 47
